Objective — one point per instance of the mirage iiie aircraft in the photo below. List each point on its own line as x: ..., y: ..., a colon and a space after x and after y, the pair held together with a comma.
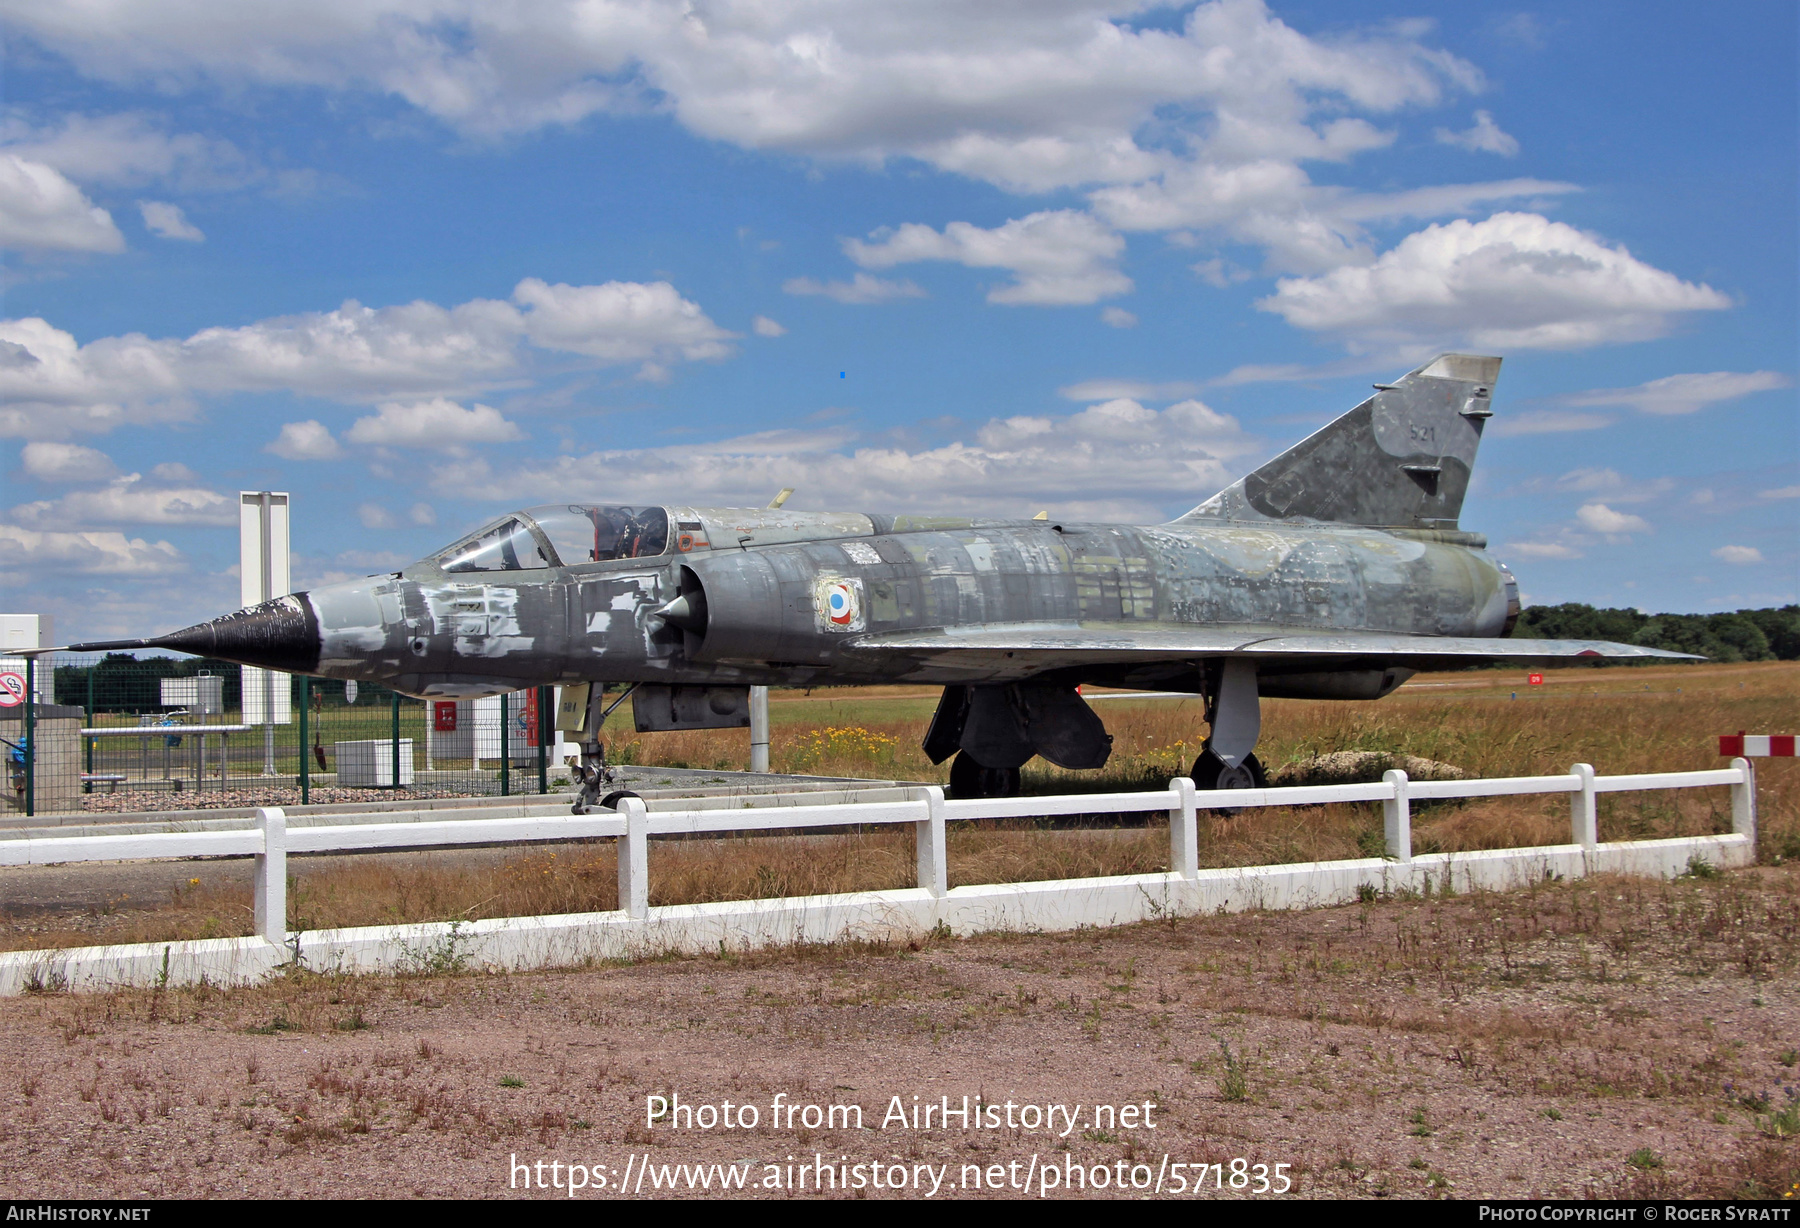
x: 1335, y: 571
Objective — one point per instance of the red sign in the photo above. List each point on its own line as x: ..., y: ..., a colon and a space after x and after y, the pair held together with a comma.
x: 443, y: 715
x: 1535, y: 679
x: 531, y: 717
x: 12, y: 690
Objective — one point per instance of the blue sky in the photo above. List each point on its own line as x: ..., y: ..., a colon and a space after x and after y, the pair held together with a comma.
x: 417, y: 263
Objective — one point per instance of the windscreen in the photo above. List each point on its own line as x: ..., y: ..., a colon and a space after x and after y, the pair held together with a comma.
x: 508, y: 546
x: 595, y: 533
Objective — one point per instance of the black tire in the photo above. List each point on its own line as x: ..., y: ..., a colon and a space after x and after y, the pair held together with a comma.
x: 1209, y: 768
x: 611, y: 800
x: 969, y: 778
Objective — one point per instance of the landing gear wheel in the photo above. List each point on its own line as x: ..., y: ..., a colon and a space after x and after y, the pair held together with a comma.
x: 611, y: 800
x: 1210, y: 772
x: 969, y: 778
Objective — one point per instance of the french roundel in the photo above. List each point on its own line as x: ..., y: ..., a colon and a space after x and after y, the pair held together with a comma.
x: 840, y: 604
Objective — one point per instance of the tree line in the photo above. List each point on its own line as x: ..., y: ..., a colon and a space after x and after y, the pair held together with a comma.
x: 1741, y: 635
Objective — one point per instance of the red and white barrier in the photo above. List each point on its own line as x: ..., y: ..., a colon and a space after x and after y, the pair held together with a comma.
x: 1751, y: 745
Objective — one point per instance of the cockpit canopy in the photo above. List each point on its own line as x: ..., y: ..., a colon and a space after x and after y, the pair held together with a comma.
x: 561, y: 534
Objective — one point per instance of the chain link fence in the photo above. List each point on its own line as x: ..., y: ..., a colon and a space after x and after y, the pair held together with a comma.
x: 121, y: 733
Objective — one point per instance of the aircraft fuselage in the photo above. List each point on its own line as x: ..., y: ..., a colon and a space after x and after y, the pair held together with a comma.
x: 768, y: 614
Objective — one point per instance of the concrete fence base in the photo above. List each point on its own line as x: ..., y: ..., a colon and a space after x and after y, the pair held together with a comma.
x: 525, y: 943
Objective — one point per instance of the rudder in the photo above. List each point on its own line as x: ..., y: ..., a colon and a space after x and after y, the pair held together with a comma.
x: 1401, y: 459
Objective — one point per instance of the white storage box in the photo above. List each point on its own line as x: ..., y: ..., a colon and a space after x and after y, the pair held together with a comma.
x: 370, y: 764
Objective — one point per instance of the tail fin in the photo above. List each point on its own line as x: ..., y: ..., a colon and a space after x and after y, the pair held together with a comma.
x: 1401, y: 459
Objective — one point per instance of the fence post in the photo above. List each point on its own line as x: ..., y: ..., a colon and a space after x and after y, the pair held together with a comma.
x: 634, y: 859
x: 305, y: 746
x: 87, y: 744
x: 31, y: 748
x: 271, y: 876
x: 759, y: 729
x: 928, y: 843
x: 505, y: 744
x: 1743, y: 802
x: 1584, y: 813
x: 394, y: 747
x: 1184, y: 830
x: 543, y: 737
x: 1396, y: 813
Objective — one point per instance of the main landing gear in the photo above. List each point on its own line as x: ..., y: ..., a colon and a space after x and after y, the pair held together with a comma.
x: 1211, y: 772
x: 969, y: 778
x: 993, y: 729
x: 1234, y: 710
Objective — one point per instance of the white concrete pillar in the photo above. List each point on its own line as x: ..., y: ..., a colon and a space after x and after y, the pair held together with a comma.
x: 1584, y: 813
x: 1397, y: 816
x: 759, y: 729
x: 270, y: 913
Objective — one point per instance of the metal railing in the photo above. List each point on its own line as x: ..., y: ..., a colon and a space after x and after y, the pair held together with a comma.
x: 271, y: 841
x: 157, y: 726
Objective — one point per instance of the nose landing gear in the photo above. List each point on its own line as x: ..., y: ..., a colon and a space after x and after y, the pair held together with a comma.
x: 595, y: 777
x: 594, y: 773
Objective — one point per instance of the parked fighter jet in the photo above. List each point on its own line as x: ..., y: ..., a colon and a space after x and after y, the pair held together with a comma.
x: 1335, y: 571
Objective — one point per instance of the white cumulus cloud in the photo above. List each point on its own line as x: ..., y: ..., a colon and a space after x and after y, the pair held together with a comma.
x: 619, y: 321
x: 1117, y: 317
x: 763, y: 326
x: 1484, y: 137
x: 129, y: 499
x: 1740, y: 555
x: 439, y: 425
x: 1602, y: 519
x: 130, y: 150
x: 41, y: 211
x: 169, y: 222
x: 92, y: 553
x: 66, y: 462
x: 1047, y: 96
x: 1057, y: 258
x: 308, y: 440
x: 51, y: 387
x: 1203, y: 121
x: 1117, y: 460
x: 1514, y: 281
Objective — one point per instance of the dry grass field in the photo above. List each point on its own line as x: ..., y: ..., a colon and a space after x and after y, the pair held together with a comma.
x: 1620, y: 720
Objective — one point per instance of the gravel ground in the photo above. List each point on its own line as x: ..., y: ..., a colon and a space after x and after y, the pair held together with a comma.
x: 146, y: 801
x: 1609, y: 1037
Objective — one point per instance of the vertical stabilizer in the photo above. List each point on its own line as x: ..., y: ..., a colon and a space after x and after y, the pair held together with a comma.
x: 1401, y: 459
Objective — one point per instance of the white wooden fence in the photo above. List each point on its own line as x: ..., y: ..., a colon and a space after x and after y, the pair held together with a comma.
x: 637, y: 929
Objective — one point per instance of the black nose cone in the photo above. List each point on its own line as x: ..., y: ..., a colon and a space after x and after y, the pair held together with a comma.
x: 281, y: 634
